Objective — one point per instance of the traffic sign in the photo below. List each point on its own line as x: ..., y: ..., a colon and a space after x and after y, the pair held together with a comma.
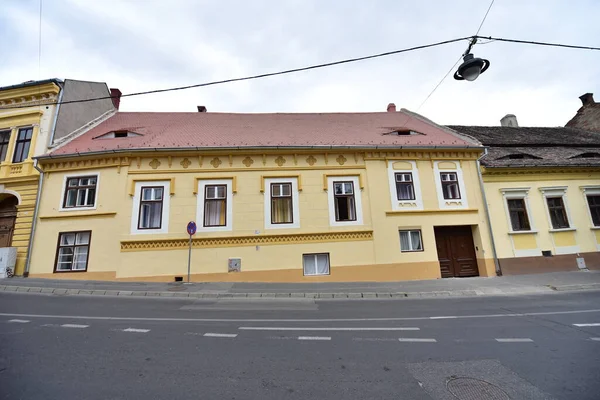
x: 191, y: 228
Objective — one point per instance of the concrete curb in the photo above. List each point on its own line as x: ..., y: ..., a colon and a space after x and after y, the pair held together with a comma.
x: 304, y: 295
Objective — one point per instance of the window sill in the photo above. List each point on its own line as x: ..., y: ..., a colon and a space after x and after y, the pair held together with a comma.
x: 595, y: 228
x: 411, y: 251
x: 78, y: 215
x: 521, y: 232
x: 562, y: 230
x: 441, y: 210
x: 69, y: 209
x: 69, y: 271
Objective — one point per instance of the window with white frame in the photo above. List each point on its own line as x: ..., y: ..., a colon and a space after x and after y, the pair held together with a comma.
x: 282, y: 208
x: 345, y: 201
x: 410, y: 240
x: 558, y: 213
x: 80, y: 192
x: 72, y: 251
x: 594, y: 206
x: 150, y: 212
x: 450, y: 186
x: 405, y: 189
x: 517, y: 211
x: 215, y: 205
x: 315, y: 264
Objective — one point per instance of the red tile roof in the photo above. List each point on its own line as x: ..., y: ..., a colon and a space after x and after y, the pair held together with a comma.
x: 227, y: 130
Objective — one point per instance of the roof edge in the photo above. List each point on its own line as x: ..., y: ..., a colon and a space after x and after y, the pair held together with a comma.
x: 459, y: 135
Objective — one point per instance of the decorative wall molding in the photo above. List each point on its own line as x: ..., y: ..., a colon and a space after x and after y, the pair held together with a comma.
x: 253, y: 240
x: 232, y: 178
x: 361, y: 181
x: 133, y: 181
x: 263, y: 177
x: 79, y: 215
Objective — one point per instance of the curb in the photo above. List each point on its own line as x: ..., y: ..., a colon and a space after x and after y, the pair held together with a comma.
x: 298, y: 295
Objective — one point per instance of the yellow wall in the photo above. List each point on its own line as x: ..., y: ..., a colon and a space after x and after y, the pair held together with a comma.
x: 370, y: 251
x: 582, y: 237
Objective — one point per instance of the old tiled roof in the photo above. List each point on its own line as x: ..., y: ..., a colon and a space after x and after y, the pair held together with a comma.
x: 587, y: 117
x: 536, y: 146
x: 227, y: 130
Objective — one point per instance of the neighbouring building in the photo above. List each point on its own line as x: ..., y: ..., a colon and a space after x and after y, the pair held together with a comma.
x: 588, y: 116
x: 30, y: 123
x: 543, y: 190
x: 276, y: 197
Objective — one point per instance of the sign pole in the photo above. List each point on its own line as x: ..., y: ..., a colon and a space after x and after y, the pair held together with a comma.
x: 191, y: 230
x: 189, y: 258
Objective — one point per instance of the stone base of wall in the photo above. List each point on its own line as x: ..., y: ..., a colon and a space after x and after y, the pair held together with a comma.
x: 557, y: 263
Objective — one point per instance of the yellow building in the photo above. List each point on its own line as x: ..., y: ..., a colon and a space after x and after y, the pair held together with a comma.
x: 276, y: 197
x: 30, y: 122
x: 543, y: 190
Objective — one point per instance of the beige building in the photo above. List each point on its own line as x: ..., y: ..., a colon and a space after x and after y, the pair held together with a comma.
x: 276, y: 197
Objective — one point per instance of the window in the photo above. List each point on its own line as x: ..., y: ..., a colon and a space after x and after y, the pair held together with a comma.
x: 345, y: 207
x: 518, y: 215
x: 4, y: 140
x: 72, y: 251
x: 316, y: 264
x: 281, y: 203
x: 558, y: 214
x: 411, y: 241
x: 22, y: 145
x: 404, y: 186
x: 594, y: 204
x: 450, y: 187
x: 151, y: 208
x: 80, y: 192
x: 215, y: 205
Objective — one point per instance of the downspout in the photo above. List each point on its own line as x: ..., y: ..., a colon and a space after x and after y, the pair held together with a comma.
x: 487, y: 214
x: 35, y: 217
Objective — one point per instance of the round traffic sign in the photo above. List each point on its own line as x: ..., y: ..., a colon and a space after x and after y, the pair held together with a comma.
x: 191, y: 228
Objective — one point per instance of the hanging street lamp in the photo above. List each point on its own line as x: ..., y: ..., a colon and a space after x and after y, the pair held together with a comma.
x: 472, y: 66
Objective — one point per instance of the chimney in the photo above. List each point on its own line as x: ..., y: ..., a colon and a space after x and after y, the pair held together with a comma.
x: 202, y: 109
x: 391, y: 107
x: 509, y: 120
x: 115, y: 95
x: 587, y: 99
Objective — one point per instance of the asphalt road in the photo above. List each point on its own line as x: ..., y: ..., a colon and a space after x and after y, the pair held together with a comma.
x: 528, y: 347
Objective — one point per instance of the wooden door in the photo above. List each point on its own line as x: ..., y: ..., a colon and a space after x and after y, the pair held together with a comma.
x: 8, y: 216
x: 456, y: 251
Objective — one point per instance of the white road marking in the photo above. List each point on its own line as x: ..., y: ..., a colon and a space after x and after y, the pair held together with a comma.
x: 514, y: 340
x: 595, y: 339
x: 286, y: 328
x: 583, y: 325
x: 417, y: 340
x: 358, y: 339
x: 444, y: 317
x: 314, y: 337
x: 228, y: 335
x: 18, y: 321
x: 76, y: 326
x: 136, y: 330
x: 87, y: 317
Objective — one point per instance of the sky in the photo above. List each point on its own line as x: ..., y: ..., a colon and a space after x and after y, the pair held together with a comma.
x: 138, y: 45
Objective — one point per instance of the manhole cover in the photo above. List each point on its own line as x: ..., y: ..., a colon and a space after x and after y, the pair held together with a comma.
x: 475, y: 389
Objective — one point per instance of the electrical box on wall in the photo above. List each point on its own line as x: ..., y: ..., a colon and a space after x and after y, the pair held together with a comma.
x: 235, y: 265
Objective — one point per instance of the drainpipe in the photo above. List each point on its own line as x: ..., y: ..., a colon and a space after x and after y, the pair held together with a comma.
x: 34, y: 222
x: 487, y: 214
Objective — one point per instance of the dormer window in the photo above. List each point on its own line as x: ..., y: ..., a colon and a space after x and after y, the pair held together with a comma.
x: 587, y: 155
x: 118, y: 134
x: 403, y: 132
x: 519, y: 156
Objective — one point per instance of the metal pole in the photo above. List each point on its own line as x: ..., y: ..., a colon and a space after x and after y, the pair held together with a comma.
x: 189, y: 258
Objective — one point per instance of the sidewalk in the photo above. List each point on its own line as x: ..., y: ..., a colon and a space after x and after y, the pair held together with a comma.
x: 458, y: 287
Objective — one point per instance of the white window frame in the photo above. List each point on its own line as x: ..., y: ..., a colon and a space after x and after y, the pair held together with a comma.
x: 316, y: 255
x: 515, y: 194
x: 397, y: 205
x: 295, y: 203
x: 202, y: 183
x: 450, y: 203
x: 557, y: 191
x: 357, y: 200
x: 64, y: 188
x: 410, y: 233
x: 135, y: 212
x: 590, y: 191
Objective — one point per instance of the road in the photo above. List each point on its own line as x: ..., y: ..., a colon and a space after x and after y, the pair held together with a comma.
x: 78, y: 347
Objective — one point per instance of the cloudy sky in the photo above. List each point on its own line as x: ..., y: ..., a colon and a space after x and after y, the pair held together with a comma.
x: 139, y: 45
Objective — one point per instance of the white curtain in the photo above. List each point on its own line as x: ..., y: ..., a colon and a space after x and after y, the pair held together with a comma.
x: 322, y: 264
x: 404, y: 241
x: 151, y: 215
x: 415, y: 238
x: 310, y: 264
x: 214, y: 213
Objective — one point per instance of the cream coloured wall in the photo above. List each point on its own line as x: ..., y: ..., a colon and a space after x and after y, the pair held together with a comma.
x: 580, y: 238
x: 376, y: 247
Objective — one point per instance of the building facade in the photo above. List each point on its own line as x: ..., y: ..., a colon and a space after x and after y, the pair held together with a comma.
x: 276, y: 197
x: 30, y: 122
x: 543, y: 190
